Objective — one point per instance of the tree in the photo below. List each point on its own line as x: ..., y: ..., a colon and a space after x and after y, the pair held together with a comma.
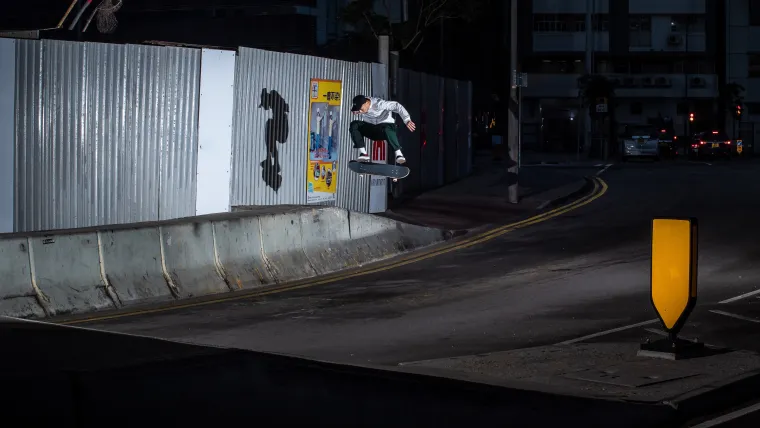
x: 370, y: 18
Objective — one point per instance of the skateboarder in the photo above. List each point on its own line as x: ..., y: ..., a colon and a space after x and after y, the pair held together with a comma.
x: 378, y: 124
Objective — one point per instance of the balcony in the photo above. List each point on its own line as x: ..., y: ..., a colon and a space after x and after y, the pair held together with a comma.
x: 554, y: 6
x: 569, y: 42
x: 659, y: 7
x: 668, y: 42
x: 666, y: 86
x: 629, y: 86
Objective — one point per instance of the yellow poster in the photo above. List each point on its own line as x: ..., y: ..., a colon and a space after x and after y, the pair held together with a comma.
x: 325, y: 97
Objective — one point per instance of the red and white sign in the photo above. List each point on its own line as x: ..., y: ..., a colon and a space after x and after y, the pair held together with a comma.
x: 379, y: 152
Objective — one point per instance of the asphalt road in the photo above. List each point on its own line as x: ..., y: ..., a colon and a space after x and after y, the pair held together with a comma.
x: 574, y: 275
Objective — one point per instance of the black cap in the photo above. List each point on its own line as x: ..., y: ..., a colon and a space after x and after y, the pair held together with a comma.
x: 358, y: 102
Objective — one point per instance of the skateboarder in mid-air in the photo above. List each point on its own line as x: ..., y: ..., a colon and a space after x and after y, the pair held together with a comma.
x: 377, y: 124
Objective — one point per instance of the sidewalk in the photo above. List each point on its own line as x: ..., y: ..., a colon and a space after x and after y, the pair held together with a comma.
x: 482, y: 198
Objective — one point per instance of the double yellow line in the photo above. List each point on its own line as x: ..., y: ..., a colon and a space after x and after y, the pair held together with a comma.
x: 600, y: 188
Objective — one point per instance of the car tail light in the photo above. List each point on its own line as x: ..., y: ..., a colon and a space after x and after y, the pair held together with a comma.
x: 701, y: 142
x: 694, y: 146
x: 728, y: 142
x: 675, y: 138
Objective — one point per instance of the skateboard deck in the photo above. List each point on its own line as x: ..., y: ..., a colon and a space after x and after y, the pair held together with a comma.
x: 395, y: 172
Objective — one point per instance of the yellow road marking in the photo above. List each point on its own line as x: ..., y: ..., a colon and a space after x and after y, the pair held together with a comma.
x: 600, y: 188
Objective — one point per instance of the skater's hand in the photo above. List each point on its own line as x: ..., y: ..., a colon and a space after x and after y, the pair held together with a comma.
x: 411, y: 126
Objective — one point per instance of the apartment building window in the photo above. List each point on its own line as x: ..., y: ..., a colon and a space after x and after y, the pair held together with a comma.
x: 753, y: 61
x: 601, y: 22
x: 687, y: 23
x: 694, y: 67
x: 640, y: 30
x: 561, y: 67
x: 603, y: 67
x: 558, y: 23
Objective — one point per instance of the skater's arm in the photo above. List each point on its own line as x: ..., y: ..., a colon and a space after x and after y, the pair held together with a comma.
x: 395, y: 107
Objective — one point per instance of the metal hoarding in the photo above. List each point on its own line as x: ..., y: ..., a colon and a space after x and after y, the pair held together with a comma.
x: 270, y: 135
x: 353, y: 190
x: 410, y: 96
x: 449, y: 129
x: 432, y: 171
x: 7, y: 132
x: 104, y: 133
x: 464, y: 130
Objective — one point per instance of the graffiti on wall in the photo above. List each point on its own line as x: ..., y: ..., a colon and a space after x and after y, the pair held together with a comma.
x: 276, y: 131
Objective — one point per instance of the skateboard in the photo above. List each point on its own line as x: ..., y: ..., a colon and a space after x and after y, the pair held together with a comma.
x: 396, y: 172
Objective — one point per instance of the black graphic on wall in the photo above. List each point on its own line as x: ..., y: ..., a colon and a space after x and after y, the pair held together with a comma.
x: 275, y: 131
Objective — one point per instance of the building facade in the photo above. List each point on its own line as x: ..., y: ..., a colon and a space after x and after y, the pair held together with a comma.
x: 743, y: 63
x: 667, y: 58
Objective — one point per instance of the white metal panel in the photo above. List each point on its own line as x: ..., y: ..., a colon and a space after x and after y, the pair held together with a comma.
x: 7, y: 131
x: 217, y: 94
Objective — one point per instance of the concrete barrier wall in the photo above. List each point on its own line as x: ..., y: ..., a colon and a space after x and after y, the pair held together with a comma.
x: 18, y: 297
x: 241, y: 254
x: 111, y: 267
x: 133, y: 265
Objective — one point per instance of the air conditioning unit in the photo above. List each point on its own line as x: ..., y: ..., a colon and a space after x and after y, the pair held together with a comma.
x: 662, y: 82
x: 697, y: 82
x: 675, y: 39
x: 647, y: 81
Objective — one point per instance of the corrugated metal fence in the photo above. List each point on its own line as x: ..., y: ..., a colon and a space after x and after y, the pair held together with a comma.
x: 108, y: 133
x: 441, y: 152
x: 284, y: 78
x: 104, y: 133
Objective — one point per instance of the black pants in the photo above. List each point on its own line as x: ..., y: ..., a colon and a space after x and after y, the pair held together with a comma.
x: 379, y: 132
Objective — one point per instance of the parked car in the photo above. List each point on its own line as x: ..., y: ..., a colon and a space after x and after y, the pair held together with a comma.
x: 710, y: 144
x: 641, y: 141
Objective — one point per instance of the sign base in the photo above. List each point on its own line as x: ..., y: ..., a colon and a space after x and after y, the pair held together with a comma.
x: 672, y: 348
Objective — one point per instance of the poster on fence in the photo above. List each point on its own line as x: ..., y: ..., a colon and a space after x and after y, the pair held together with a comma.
x: 324, y: 140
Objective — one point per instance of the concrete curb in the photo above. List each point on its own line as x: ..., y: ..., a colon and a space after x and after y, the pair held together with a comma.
x: 72, y: 272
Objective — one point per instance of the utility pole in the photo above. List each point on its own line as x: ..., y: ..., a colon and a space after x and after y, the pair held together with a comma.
x: 513, y: 142
x: 589, y: 63
x: 384, y: 52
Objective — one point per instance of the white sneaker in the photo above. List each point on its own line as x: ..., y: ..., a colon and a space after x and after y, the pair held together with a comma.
x: 400, y: 159
x: 363, y: 157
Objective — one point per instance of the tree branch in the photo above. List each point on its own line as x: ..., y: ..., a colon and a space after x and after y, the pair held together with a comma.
x: 369, y: 22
